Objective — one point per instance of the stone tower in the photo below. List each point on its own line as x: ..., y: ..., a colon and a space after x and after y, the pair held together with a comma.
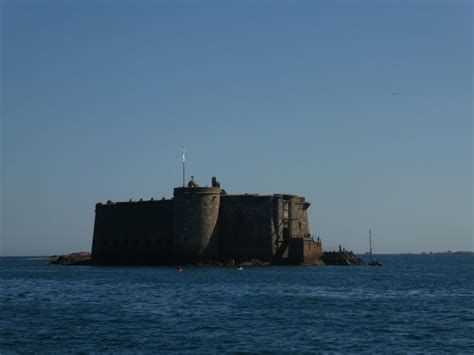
x: 195, y: 215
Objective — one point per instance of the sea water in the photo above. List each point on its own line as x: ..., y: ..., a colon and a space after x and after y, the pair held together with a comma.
x: 413, y: 303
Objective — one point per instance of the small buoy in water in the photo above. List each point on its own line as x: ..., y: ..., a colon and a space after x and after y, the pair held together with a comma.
x: 179, y: 268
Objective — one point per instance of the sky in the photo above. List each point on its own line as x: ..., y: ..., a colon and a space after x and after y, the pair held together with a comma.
x: 363, y: 107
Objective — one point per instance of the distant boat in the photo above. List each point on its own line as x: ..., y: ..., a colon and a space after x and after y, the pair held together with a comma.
x: 239, y: 268
x: 372, y: 262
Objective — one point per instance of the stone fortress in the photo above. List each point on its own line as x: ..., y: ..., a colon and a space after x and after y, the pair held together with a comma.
x: 205, y: 225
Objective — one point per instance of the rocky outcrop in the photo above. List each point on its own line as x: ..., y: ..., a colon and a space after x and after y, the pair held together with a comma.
x: 81, y: 258
x: 341, y: 257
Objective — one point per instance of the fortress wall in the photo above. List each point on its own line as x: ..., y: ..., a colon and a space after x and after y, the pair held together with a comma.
x: 246, y: 227
x: 133, y: 232
x: 305, y: 251
x: 281, y: 233
x: 299, y: 217
x: 195, y: 216
x: 202, y: 224
x: 290, y: 221
x: 301, y: 248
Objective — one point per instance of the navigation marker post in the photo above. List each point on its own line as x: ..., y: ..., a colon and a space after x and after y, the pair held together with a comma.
x: 370, y: 244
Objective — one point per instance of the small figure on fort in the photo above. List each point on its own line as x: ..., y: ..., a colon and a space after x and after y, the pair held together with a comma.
x: 192, y: 183
x: 215, y: 183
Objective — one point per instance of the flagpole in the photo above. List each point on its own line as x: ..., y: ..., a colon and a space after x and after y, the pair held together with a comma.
x: 184, y: 162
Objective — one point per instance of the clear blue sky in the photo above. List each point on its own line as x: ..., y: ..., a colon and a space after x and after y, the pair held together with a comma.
x: 271, y: 97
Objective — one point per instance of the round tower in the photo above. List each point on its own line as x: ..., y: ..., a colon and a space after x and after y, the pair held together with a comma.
x: 195, y: 214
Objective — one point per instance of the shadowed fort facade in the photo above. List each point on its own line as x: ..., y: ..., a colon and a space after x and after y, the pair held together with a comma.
x: 205, y: 224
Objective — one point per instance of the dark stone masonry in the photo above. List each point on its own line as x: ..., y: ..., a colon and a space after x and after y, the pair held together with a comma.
x: 205, y: 225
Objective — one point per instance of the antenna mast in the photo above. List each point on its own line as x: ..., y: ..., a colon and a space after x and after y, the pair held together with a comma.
x: 184, y: 166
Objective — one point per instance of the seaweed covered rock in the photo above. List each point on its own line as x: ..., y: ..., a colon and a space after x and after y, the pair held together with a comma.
x: 254, y: 262
x: 81, y: 258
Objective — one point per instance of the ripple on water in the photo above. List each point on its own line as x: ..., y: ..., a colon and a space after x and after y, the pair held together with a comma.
x: 395, y: 308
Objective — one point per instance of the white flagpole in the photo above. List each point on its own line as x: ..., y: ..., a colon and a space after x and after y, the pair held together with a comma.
x: 184, y: 162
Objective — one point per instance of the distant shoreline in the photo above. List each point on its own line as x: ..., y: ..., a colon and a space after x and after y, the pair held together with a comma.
x: 449, y: 252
